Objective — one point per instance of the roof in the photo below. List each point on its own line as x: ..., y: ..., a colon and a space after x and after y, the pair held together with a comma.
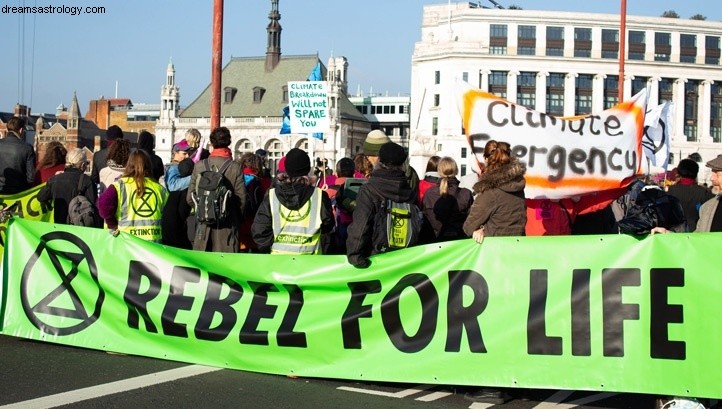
x: 246, y: 73
x: 114, y: 102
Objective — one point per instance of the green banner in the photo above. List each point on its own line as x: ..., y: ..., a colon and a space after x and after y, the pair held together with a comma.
x: 603, y: 313
x: 24, y: 205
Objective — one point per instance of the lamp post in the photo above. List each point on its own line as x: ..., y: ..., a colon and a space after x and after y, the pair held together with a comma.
x: 622, y: 48
x: 216, y: 59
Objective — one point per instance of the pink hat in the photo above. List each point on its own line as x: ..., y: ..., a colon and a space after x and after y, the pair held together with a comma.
x: 182, y: 145
x: 282, y: 164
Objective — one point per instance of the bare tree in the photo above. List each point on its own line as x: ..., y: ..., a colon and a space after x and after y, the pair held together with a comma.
x: 698, y: 17
x: 670, y: 14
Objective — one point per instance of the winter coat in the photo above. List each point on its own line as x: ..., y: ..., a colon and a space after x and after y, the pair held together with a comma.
x: 109, y: 174
x: 499, y: 204
x: 293, y: 197
x: 447, y: 214
x: 384, y: 184
x: 691, y: 196
x: 173, y: 224
x: 17, y: 165
x: 63, y: 187
x: 706, y: 214
x: 100, y: 160
x: 222, y: 237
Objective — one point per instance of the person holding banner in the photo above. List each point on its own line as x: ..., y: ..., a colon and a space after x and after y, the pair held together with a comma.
x: 17, y: 162
x: 294, y: 217
x: 134, y: 203
x: 499, y: 208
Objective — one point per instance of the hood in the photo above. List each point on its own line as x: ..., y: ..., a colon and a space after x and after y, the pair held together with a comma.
x: 293, y: 196
x: 392, y: 184
x: 509, y: 178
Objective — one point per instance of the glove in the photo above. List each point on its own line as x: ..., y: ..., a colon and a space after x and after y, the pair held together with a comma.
x: 362, y: 263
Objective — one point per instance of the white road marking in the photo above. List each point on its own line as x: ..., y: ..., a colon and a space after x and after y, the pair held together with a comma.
x: 479, y: 405
x: 433, y: 396
x: 554, y: 401
x: 67, y: 398
x: 401, y: 394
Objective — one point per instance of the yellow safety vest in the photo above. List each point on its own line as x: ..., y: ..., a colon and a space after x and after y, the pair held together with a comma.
x: 140, y: 215
x: 296, y: 231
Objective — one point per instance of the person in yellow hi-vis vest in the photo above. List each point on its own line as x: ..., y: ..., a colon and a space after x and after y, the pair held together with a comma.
x: 134, y: 203
x: 294, y: 217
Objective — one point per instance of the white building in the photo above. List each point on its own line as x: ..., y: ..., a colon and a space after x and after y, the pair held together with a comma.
x: 385, y: 112
x: 564, y: 64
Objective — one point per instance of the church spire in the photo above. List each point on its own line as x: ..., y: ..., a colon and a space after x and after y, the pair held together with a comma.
x: 169, y: 96
x: 273, y: 48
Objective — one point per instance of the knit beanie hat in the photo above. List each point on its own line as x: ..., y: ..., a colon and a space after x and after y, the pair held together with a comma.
x: 75, y: 157
x: 374, y: 140
x: 113, y: 133
x: 392, y: 154
x: 297, y: 163
x: 185, y: 167
x: 688, y: 168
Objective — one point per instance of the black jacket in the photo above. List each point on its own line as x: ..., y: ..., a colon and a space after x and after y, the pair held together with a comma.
x: 174, y: 220
x: 292, y: 196
x: 63, y: 187
x: 100, y: 160
x: 17, y: 165
x: 447, y: 214
x: 384, y: 184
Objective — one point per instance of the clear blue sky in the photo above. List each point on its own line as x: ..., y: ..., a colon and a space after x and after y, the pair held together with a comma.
x: 134, y: 40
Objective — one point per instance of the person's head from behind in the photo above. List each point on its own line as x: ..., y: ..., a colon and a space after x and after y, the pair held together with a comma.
x: 447, y: 169
x: 220, y: 137
x: 138, y: 168
x: 392, y: 156
x: 54, y: 155
x: 687, y: 168
x: 76, y: 158
x: 496, y: 155
x: 433, y: 164
x: 297, y: 166
x: 252, y: 162
x: 345, y: 168
x: 119, y: 152
x: 146, y: 141
x: 16, y: 125
x: 373, y: 143
x: 363, y: 164
x: 193, y: 137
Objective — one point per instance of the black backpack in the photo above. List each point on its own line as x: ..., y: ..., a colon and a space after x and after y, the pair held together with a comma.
x: 80, y: 211
x: 652, y: 208
x: 211, y: 194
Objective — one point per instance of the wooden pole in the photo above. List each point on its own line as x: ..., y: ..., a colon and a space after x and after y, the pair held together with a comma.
x: 216, y: 60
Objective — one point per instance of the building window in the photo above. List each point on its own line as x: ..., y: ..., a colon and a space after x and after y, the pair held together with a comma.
x: 582, y: 42
x: 662, y: 46
x: 715, y: 121
x: 636, y: 45
x: 583, y: 95
x: 258, y: 94
x: 526, y: 89
x: 242, y: 146
x: 437, y: 99
x: 463, y: 153
x: 434, y: 126
x: 712, y: 50
x: 555, y: 41
x: 665, y: 88
x: 497, y: 83
x: 691, y: 101
x: 284, y: 93
x: 687, y: 48
x: 638, y: 84
x: 526, y: 40
x: 437, y: 77
x: 555, y: 94
x: 465, y: 76
x: 497, y: 39
x: 611, y: 91
x: 228, y: 94
x: 610, y: 43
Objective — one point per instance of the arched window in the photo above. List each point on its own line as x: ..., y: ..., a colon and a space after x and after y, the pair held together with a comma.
x: 274, y: 147
x: 242, y: 146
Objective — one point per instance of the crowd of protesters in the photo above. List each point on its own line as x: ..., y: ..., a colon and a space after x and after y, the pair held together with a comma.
x: 316, y: 210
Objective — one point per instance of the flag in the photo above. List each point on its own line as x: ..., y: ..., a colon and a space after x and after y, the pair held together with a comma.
x: 315, y: 74
x: 656, y: 139
x: 286, y: 124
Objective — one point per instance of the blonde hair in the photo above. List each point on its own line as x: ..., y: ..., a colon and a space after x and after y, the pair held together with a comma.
x: 446, y: 169
x: 193, y: 137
